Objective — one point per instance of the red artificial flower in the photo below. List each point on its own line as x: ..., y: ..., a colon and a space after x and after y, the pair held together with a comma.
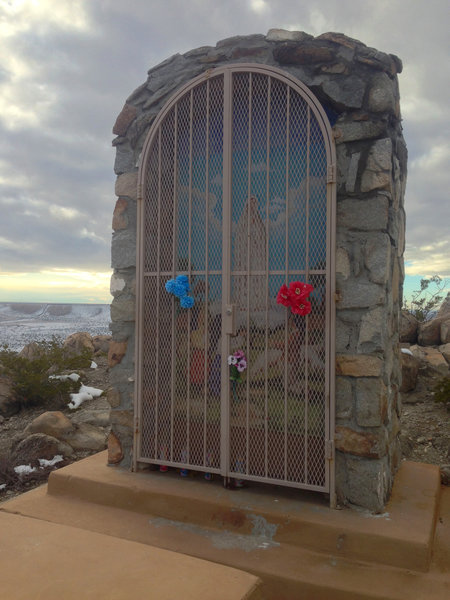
x: 298, y: 289
x: 283, y: 296
x: 296, y: 297
x: 303, y: 307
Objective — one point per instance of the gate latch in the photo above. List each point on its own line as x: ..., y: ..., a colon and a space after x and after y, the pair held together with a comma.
x: 229, y: 319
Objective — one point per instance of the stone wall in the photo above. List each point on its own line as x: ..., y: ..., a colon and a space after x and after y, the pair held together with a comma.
x: 358, y: 88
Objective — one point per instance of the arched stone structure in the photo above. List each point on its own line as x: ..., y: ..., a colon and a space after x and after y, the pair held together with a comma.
x: 357, y: 89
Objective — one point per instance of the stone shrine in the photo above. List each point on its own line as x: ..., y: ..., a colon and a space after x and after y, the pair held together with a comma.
x: 355, y: 89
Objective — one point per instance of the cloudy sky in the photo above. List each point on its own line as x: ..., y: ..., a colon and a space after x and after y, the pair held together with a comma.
x: 67, y: 66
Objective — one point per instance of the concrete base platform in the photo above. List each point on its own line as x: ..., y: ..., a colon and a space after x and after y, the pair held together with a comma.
x: 292, y: 541
x: 39, y: 559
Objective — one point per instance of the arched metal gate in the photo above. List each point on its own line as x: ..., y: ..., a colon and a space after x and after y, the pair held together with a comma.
x: 236, y: 193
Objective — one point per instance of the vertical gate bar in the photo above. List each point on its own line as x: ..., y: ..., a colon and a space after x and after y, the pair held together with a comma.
x: 330, y: 474
x: 174, y: 267
x: 288, y: 106
x: 266, y: 341
x: 206, y: 353
x: 249, y: 201
x: 189, y: 266
x: 226, y: 267
x: 139, y: 338
x: 308, y: 191
x: 158, y: 284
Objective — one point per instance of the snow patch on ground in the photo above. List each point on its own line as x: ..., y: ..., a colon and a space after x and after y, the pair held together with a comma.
x: 50, y: 463
x: 22, y: 323
x: 73, y: 376
x: 43, y: 463
x: 24, y: 469
x: 85, y: 393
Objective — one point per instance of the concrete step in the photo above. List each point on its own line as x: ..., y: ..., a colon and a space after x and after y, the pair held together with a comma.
x: 400, y: 537
x: 264, y: 531
x: 288, y: 572
x: 40, y: 559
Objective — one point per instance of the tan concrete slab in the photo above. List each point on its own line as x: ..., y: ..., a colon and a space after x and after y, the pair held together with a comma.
x: 288, y: 572
x: 265, y: 531
x: 39, y: 559
x: 401, y: 537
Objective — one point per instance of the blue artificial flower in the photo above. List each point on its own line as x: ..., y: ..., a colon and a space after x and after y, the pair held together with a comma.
x: 170, y: 286
x: 179, y: 290
x: 187, y: 302
x: 183, y: 281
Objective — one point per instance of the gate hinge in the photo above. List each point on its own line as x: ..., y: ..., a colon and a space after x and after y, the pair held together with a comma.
x: 331, y: 173
x: 140, y: 194
x: 329, y: 449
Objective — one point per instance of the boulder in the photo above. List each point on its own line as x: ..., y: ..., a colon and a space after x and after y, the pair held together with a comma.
x: 408, y: 327
x: 39, y: 445
x: 101, y: 343
x: 430, y: 333
x: 432, y: 357
x: 444, y: 310
x: 53, y: 423
x: 32, y: 351
x: 98, y: 416
x: 445, y: 330
x: 77, y: 343
x: 410, y: 370
x: 86, y: 437
x: 9, y: 404
x: 445, y: 351
x: 80, y: 436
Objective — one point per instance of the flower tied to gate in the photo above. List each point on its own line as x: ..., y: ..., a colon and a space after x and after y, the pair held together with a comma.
x: 295, y: 296
x: 238, y: 364
x: 180, y: 288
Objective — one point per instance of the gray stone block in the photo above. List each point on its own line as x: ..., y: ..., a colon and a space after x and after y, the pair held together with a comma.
x: 126, y: 185
x: 377, y: 257
x: 345, y: 333
x: 368, y: 482
x: 344, y: 398
x: 283, y: 35
x: 125, y: 160
x: 352, y: 173
x: 360, y: 294
x: 370, y: 402
x: 123, y: 249
x: 382, y: 96
x: 371, y: 333
x: 352, y: 131
x: 363, y: 215
x: 348, y: 93
x: 123, y: 309
x: 378, y: 173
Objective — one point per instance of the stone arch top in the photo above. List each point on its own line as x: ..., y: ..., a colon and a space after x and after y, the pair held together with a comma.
x: 228, y: 69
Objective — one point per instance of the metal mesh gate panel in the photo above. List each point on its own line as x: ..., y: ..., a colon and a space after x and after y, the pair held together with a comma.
x: 235, y: 180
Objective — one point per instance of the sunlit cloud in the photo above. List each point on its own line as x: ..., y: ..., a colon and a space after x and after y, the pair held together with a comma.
x: 64, y: 213
x: 428, y: 260
x: 18, y: 16
x: 259, y: 6
x: 56, y: 285
x: 25, y: 97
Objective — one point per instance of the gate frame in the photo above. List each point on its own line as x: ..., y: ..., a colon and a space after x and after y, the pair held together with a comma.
x: 329, y: 144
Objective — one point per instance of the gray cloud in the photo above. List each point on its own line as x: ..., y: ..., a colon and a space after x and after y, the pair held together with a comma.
x: 69, y: 70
